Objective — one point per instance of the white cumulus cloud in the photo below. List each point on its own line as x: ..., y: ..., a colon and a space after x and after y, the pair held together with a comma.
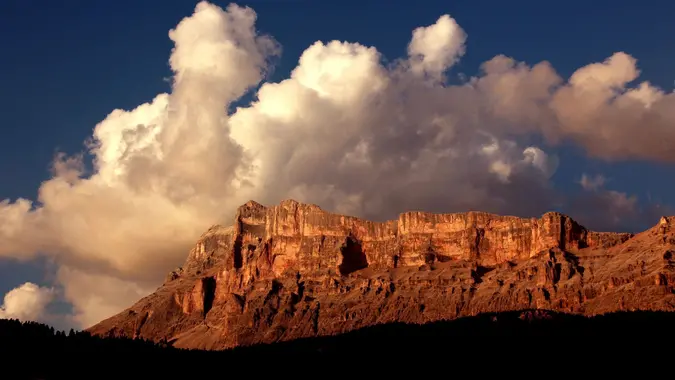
x: 26, y: 302
x: 435, y: 48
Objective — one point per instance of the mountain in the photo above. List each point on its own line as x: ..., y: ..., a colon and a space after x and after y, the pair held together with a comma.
x: 295, y: 271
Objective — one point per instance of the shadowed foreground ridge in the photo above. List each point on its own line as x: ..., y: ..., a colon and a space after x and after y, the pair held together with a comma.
x: 295, y: 271
x: 523, y: 340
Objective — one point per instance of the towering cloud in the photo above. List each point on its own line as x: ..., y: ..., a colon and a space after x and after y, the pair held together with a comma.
x: 163, y: 172
x: 342, y: 131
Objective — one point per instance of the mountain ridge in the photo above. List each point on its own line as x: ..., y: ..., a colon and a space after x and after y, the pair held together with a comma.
x: 293, y: 270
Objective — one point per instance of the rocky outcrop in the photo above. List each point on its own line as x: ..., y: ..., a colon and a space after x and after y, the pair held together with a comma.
x: 295, y: 270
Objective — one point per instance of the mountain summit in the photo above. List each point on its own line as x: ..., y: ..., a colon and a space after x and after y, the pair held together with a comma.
x: 294, y: 270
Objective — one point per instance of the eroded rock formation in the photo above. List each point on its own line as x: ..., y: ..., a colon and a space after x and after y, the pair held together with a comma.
x: 295, y: 270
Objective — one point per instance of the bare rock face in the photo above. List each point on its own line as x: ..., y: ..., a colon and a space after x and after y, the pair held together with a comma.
x: 295, y: 270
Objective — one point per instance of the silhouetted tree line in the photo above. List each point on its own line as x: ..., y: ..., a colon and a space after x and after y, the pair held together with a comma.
x: 37, y: 351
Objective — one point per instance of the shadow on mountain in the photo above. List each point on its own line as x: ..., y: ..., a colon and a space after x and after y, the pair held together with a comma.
x: 499, y: 342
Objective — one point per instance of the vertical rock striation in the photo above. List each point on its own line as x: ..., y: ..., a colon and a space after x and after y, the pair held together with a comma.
x: 294, y: 237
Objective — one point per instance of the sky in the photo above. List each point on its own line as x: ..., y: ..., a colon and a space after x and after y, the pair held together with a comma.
x: 128, y: 128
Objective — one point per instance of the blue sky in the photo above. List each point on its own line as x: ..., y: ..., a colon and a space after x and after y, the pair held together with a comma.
x: 68, y: 64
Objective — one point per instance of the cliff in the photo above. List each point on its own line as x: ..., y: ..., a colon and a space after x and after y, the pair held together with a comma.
x: 295, y: 270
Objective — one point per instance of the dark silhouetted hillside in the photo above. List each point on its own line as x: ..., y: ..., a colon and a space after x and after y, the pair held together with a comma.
x: 531, y: 338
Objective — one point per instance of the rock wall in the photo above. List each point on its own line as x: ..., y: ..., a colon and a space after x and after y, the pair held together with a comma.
x: 294, y: 270
x: 301, y: 238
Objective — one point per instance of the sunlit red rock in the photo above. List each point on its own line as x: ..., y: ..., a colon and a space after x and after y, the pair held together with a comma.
x: 295, y: 270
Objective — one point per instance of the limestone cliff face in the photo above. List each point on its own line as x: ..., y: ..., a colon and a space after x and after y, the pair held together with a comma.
x: 300, y: 238
x: 295, y: 270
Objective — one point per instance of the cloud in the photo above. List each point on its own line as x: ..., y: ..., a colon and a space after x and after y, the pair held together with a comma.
x: 163, y: 172
x: 597, y: 111
x: 611, y: 210
x: 99, y: 295
x: 592, y: 183
x: 342, y: 131
x: 26, y: 302
x: 435, y: 48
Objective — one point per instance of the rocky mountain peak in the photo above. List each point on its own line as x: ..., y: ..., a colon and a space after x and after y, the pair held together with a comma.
x: 294, y: 270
